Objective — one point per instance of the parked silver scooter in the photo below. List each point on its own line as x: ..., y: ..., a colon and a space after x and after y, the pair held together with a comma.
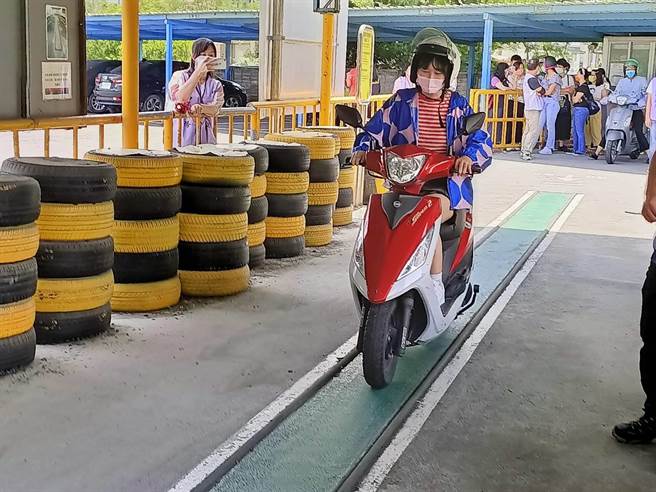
x: 620, y: 136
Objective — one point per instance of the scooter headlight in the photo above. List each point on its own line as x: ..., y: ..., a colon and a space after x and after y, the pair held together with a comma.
x: 402, y: 170
x: 358, y: 254
x: 419, y: 257
x: 621, y: 100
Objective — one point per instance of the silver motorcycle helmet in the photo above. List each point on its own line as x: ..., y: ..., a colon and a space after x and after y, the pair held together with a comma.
x: 433, y: 42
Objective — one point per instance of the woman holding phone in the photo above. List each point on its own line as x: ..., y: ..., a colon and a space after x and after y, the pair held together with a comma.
x: 199, y: 92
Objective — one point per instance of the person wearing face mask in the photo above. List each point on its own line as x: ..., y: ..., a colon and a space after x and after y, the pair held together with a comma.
x: 432, y: 116
x: 634, y: 87
x: 551, y: 83
x: 564, y: 119
x: 597, y: 86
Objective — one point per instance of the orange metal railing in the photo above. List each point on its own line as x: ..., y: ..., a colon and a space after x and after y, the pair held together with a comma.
x: 505, y: 115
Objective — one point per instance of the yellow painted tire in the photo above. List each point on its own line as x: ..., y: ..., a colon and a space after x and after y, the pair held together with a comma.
x: 81, y: 222
x: 284, y: 227
x: 148, y: 296
x: 67, y: 295
x: 343, y: 216
x: 287, y: 183
x: 323, y: 193
x: 318, y: 235
x: 259, y: 186
x: 215, y: 284
x: 346, y: 135
x: 18, y: 243
x: 17, y: 318
x: 347, y: 177
x: 322, y: 146
x: 198, y: 228
x: 256, y: 234
x: 146, y: 236
x: 143, y: 172
x: 235, y: 170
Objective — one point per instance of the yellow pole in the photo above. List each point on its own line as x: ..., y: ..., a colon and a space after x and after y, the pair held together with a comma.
x: 130, y: 70
x: 327, y: 68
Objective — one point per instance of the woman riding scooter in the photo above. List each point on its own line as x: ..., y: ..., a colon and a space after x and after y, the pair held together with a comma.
x: 431, y: 116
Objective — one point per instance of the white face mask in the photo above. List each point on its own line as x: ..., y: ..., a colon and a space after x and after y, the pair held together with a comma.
x: 430, y: 86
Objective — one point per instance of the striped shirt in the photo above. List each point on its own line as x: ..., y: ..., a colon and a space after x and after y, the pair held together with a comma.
x: 432, y: 123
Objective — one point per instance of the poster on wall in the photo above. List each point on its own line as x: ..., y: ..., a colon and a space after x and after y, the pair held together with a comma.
x: 56, y: 33
x: 56, y: 81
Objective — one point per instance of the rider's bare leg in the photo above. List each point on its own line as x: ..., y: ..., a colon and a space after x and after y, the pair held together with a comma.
x: 447, y: 213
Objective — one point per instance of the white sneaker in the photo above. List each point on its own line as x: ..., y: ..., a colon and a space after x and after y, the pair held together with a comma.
x: 545, y: 151
x: 439, y: 289
x: 526, y: 156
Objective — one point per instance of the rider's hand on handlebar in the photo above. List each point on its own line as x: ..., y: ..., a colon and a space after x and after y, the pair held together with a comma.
x: 358, y: 158
x: 464, y: 166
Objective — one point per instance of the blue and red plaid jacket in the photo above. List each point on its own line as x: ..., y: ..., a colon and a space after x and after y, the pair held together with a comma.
x: 397, y: 124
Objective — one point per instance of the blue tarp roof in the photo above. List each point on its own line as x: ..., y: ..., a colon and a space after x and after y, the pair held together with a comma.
x: 564, y: 21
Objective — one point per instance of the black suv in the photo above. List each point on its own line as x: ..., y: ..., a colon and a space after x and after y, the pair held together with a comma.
x: 152, y: 75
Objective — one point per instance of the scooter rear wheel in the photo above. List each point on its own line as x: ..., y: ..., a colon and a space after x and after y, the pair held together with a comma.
x: 380, y: 344
x: 612, y: 151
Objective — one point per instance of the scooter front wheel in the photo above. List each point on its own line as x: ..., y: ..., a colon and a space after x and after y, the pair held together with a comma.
x: 380, y: 344
x: 612, y: 150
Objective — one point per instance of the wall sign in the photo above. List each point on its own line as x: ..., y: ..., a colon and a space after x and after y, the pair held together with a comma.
x: 56, y: 81
x: 56, y: 33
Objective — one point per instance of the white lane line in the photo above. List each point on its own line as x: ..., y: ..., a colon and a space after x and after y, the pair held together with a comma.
x: 221, y: 454
x: 427, y: 404
x: 230, y: 447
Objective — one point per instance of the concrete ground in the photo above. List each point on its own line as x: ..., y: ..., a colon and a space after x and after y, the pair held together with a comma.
x: 135, y: 409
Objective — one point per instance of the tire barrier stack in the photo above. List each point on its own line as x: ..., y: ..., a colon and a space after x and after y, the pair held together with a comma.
x: 146, y: 229
x: 323, y: 186
x: 287, y: 186
x: 75, y: 255
x: 343, y: 214
x: 216, y: 198
x: 19, y: 240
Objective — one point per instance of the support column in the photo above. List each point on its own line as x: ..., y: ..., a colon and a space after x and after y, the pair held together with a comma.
x: 471, y: 65
x: 327, y: 56
x: 276, y: 49
x: 228, y: 55
x: 140, y: 50
x: 169, y: 51
x: 486, y: 70
x: 130, y: 72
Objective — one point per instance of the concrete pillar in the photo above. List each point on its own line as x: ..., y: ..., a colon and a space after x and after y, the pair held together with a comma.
x: 471, y: 62
x: 169, y: 51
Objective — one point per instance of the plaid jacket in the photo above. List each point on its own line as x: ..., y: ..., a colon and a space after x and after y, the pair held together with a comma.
x: 397, y: 124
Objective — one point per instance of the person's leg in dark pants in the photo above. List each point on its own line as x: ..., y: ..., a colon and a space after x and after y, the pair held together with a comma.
x: 638, y: 122
x: 643, y: 430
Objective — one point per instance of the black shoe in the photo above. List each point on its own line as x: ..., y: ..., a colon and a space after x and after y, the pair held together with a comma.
x: 594, y: 156
x: 635, y: 154
x: 641, y: 431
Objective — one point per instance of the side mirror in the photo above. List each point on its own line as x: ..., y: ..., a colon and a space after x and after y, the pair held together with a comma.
x: 349, y: 115
x: 473, y: 123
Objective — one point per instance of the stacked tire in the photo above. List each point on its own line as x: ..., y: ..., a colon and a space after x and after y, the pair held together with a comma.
x: 214, y: 252
x: 287, y: 185
x: 343, y: 214
x: 146, y: 230
x: 19, y: 240
x: 75, y: 254
x: 323, y: 186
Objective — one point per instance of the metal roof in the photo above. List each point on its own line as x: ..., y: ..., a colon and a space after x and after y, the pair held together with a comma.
x: 563, y: 21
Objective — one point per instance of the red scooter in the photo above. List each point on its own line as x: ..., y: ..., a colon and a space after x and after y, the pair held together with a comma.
x: 391, y: 262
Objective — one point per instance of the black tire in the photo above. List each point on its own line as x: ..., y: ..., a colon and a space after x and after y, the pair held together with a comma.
x: 137, y: 268
x: 261, y: 158
x: 288, y: 247
x: 215, y: 200
x: 153, y: 103
x: 20, y: 200
x: 319, y: 215
x: 345, y: 158
x: 288, y: 205
x: 345, y: 198
x: 611, y: 151
x: 73, y: 259
x: 213, y: 257
x: 147, y: 203
x: 63, y: 327
x: 256, y: 256
x: 259, y: 210
x: 378, y: 361
x: 17, y: 281
x: 287, y: 158
x: 232, y: 102
x: 17, y: 351
x: 67, y: 180
x: 324, y: 170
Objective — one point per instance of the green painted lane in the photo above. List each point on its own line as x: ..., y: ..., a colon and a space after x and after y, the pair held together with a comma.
x: 316, y: 447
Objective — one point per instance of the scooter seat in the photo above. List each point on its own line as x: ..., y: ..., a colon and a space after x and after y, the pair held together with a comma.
x: 452, y: 229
